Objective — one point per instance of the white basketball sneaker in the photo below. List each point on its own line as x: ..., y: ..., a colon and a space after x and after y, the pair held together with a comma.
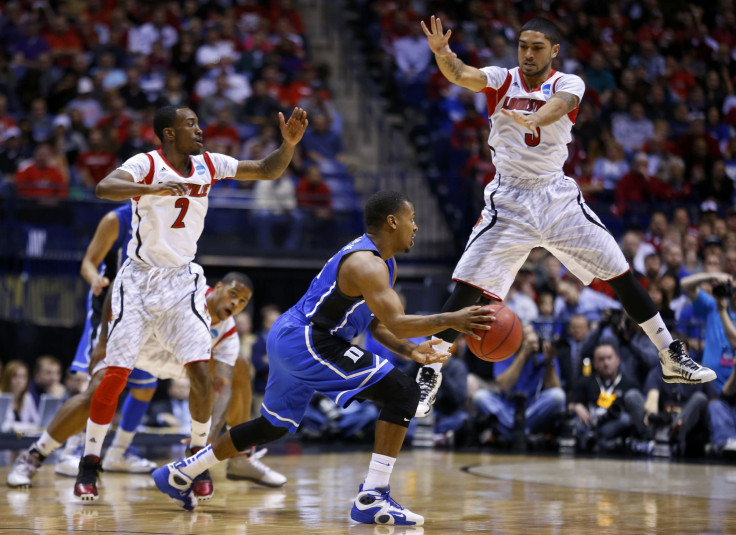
x: 377, y: 507
x: 429, y: 383
x: 24, y: 468
x: 116, y: 460
x: 678, y: 367
x: 247, y: 466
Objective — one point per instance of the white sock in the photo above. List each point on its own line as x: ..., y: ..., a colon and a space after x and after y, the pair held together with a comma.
x: 379, y: 472
x: 200, y: 431
x: 122, y: 439
x: 45, y: 445
x: 94, y: 437
x: 657, y: 332
x: 442, y: 347
x: 199, y: 462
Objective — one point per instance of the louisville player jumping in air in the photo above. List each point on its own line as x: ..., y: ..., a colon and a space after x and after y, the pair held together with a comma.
x: 159, y: 294
x: 531, y: 203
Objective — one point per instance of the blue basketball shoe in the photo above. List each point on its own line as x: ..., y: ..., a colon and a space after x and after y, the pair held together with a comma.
x: 176, y: 484
x: 377, y: 507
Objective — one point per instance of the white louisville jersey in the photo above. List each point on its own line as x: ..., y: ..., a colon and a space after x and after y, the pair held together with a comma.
x: 517, y: 151
x: 166, y: 228
x: 225, y: 340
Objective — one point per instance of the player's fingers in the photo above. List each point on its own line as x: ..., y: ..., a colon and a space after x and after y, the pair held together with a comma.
x: 482, y: 326
x: 105, y: 281
x: 447, y: 35
x: 433, y: 24
x: 434, y: 342
x: 424, y: 28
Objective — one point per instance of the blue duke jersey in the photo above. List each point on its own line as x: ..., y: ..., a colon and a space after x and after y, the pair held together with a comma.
x: 327, y: 308
x: 309, y: 347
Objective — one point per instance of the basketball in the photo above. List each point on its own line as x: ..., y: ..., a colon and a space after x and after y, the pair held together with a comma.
x: 502, y: 340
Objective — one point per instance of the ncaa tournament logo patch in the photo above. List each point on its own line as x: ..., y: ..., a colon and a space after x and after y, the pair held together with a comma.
x: 546, y: 90
x: 199, y: 169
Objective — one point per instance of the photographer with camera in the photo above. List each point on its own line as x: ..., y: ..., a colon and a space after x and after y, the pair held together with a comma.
x: 720, y: 339
x: 601, y: 403
x: 637, y: 354
x: 530, y: 374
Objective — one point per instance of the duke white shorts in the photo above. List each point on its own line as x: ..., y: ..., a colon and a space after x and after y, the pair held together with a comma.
x: 158, y: 309
x: 522, y: 214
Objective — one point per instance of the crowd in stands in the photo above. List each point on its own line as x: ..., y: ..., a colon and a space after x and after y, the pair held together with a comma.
x: 657, y: 121
x: 80, y: 82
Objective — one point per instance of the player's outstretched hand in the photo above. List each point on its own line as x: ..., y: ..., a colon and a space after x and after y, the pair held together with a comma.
x: 439, y: 43
x: 177, y: 189
x: 425, y: 353
x: 294, y: 128
x: 527, y: 120
x: 469, y: 318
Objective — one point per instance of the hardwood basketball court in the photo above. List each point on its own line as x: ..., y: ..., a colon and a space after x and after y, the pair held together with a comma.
x: 456, y: 492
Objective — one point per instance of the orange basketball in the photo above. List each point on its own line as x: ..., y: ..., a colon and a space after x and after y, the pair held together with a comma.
x: 502, y: 340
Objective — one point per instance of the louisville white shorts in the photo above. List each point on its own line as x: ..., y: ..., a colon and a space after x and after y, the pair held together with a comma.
x: 155, y: 309
x: 522, y: 214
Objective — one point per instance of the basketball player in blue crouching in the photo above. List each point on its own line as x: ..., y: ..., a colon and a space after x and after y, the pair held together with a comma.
x: 309, y: 350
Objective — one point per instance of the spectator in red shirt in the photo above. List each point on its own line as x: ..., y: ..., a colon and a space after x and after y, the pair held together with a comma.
x: 223, y: 132
x: 638, y: 186
x: 94, y: 164
x: 314, y: 198
x: 41, y: 178
x: 64, y: 41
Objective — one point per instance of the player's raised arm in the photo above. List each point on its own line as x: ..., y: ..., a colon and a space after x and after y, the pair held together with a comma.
x: 367, y: 274
x: 120, y: 185
x: 273, y: 166
x: 451, y: 67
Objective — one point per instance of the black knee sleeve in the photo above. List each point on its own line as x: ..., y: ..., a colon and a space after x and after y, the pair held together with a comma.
x: 635, y: 299
x: 398, y: 396
x: 462, y: 296
x: 254, y: 433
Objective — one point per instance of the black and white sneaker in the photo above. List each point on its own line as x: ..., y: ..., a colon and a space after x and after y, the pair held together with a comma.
x: 678, y: 367
x: 429, y: 383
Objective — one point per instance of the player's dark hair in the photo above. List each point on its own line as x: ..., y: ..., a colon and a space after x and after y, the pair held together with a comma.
x: 237, y: 276
x: 382, y: 204
x: 164, y: 118
x: 544, y: 26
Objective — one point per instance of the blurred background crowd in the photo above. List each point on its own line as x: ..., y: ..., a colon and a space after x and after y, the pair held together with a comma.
x: 654, y: 152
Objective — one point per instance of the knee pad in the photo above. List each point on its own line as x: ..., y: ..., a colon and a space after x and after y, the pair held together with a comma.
x: 254, y: 433
x: 105, y: 398
x: 398, y: 395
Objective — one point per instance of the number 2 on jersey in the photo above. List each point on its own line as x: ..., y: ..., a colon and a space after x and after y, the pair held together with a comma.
x: 183, y: 205
x: 532, y: 140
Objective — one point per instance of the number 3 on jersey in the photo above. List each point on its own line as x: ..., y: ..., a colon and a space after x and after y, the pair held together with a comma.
x: 183, y: 205
x: 532, y: 140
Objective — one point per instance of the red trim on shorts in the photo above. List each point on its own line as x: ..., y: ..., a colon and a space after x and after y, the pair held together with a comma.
x: 229, y: 333
x: 160, y: 153
x: 486, y: 293
x: 210, y: 166
x: 202, y: 360
x: 617, y: 276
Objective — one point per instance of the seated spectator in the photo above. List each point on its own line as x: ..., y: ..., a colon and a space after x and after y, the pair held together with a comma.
x: 633, y: 130
x: 314, y: 199
x: 96, y: 162
x: 530, y: 381
x: 86, y: 103
x: 223, y: 131
x: 265, y: 143
x: 260, y: 108
x: 323, y: 146
x: 276, y: 219
x: 23, y: 412
x: 259, y: 358
x: 600, y: 402
x: 574, y: 298
x: 637, y: 186
x: 12, y: 153
x: 609, y: 169
x: 134, y: 144
x: 520, y: 303
x: 174, y: 411
x: 46, y: 378
x: 40, y: 178
x: 570, y: 350
x: 215, y: 102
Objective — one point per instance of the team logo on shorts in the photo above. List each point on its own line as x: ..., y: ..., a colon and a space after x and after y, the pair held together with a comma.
x: 200, y: 169
x: 546, y: 90
x: 480, y: 220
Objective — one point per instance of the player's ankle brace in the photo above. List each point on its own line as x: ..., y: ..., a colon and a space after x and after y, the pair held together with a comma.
x: 635, y: 299
x: 462, y: 296
x: 254, y: 433
x: 105, y: 399
x: 398, y: 394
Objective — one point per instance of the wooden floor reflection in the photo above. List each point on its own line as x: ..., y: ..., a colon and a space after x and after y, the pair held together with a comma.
x: 456, y: 492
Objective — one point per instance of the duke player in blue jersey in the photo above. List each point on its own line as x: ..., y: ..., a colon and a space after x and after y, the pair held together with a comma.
x: 309, y: 351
